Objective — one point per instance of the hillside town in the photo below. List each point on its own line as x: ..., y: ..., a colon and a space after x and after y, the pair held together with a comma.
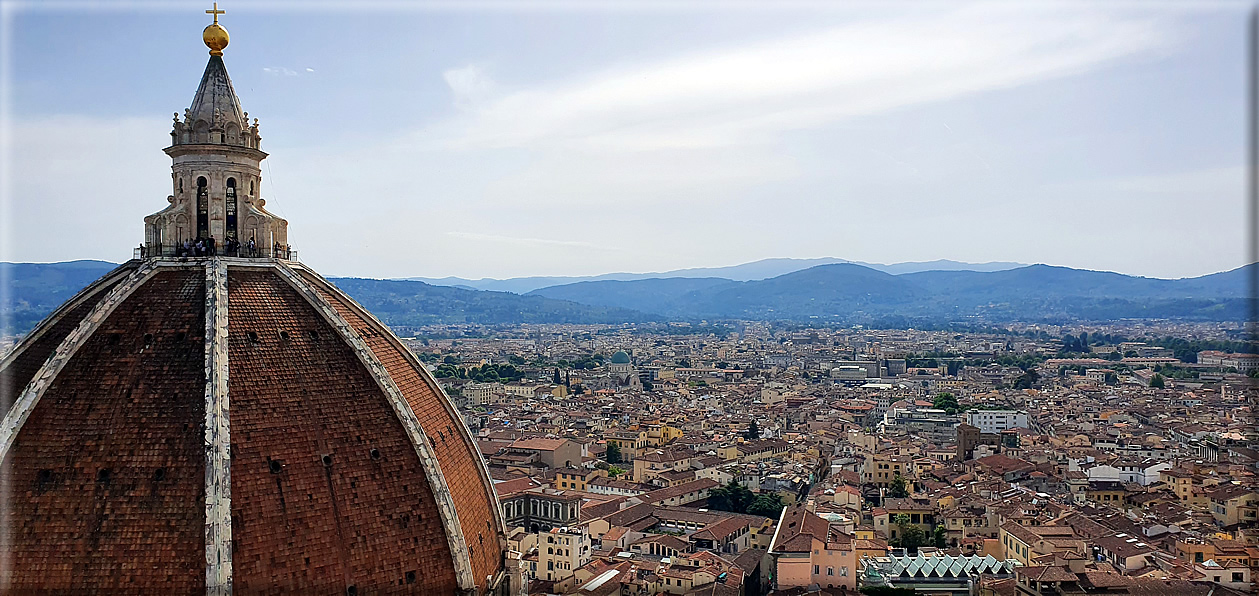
x: 792, y: 460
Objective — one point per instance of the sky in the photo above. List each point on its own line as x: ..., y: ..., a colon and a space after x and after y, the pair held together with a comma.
x: 515, y: 139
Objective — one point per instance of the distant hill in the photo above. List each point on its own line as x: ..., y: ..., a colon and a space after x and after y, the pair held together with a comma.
x: 851, y: 292
x: 756, y: 270
x: 414, y: 303
x: 941, y: 265
x: 35, y: 289
x: 668, y: 295
x: 832, y: 292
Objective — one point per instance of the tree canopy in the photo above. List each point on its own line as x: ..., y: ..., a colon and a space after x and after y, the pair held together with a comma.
x: 947, y: 402
x: 900, y: 489
x: 736, y: 498
x: 909, y: 536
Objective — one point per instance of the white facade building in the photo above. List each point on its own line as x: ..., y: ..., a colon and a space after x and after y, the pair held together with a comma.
x: 995, y: 421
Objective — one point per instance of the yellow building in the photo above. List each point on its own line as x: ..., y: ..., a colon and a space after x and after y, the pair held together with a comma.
x: 1232, y: 504
x: 574, y: 478
x: 1023, y: 544
x: 1108, y: 492
x: 882, y: 469
x: 921, y: 513
x: 631, y: 442
x: 659, y: 435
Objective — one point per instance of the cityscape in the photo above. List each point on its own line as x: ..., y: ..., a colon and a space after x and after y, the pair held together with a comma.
x: 621, y: 406
x: 1076, y: 454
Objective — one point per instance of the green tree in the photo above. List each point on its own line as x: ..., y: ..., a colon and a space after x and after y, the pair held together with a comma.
x: 613, y: 454
x: 557, y: 379
x: 940, y: 537
x: 909, y: 536
x: 733, y: 497
x: 767, y: 505
x: 1157, y: 381
x: 900, y: 488
x: 614, y: 471
x: 647, y: 386
x: 947, y: 402
x: 753, y: 432
x: 1027, y: 380
x: 886, y: 591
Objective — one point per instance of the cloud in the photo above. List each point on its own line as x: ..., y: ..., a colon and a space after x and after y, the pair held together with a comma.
x: 748, y: 93
x: 469, y: 84
x: 280, y: 71
x: 828, y: 142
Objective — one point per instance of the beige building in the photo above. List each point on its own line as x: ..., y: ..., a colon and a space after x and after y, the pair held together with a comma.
x: 1232, y: 504
x: 651, y: 464
x: 806, y: 550
x: 630, y: 442
x: 561, y: 551
x: 881, y: 469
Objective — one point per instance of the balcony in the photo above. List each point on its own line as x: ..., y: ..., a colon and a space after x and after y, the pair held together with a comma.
x: 151, y: 251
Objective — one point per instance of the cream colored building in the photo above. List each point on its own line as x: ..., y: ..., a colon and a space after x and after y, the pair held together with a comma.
x: 561, y: 551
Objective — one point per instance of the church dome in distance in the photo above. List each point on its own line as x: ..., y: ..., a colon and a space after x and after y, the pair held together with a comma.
x: 214, y: 416
x: 620, y: 357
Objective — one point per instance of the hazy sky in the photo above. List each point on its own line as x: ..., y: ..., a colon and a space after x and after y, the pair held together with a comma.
x: 527, y: 139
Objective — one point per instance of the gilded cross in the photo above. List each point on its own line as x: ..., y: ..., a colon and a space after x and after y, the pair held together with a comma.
x: 216, y: 12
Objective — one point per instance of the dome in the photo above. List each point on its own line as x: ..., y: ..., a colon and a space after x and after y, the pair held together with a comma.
x: 620, y: 357
x: 210, y: 424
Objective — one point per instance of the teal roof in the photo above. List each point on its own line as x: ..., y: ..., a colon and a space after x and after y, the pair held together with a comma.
x: 620, y: 357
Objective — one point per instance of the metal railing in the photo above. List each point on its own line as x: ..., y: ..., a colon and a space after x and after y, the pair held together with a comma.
x: 242, y: 251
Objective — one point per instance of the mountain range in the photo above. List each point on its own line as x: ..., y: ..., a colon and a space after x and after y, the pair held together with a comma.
x: 838, y: 292
x: 853, y: 293
x: 756, y: 270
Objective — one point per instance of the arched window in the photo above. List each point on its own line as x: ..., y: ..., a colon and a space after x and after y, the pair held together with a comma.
x: 230, y: 209
x: 203, y: 208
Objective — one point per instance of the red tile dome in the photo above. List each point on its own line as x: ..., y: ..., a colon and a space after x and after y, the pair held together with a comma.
x: 225, y: 423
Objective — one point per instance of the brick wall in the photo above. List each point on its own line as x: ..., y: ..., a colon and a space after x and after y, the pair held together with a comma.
x: 19, y: 371
x: 365, y: 517
x: 107, y: 474
x: 459, y: 461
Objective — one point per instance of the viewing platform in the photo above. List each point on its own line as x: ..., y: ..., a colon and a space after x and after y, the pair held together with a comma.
x: 243, y: 251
